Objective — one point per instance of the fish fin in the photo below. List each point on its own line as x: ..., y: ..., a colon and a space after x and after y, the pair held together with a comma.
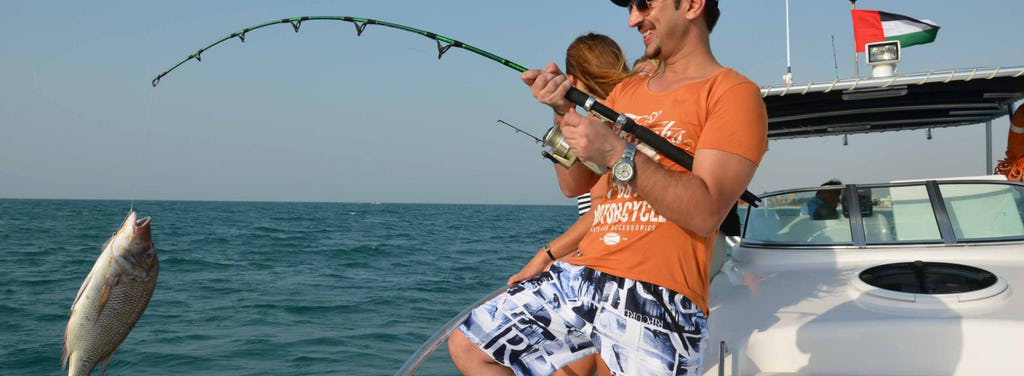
x: 105, y: 293
x: 103, y: 248
x: 81, y: 290
x: 75, y: 366
x: 64, y: 355
x: 104, y: 362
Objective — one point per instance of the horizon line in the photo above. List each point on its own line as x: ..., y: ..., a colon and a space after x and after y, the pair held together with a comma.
x: 280, y: 201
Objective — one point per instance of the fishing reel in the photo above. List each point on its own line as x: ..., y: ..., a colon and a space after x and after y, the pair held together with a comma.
x: 557, y: 150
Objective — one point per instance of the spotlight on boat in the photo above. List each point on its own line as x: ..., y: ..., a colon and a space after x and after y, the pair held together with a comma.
x: 883, y: 56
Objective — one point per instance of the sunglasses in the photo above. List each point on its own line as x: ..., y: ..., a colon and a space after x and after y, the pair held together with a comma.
x: 640, y: 5
x: 644, y: 5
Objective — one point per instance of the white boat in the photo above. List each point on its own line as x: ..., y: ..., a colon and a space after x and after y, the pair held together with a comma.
x: 909, y: 277
x: 917, y: 279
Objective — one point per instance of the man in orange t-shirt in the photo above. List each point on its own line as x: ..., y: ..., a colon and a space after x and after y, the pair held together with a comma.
x: 638, y: 294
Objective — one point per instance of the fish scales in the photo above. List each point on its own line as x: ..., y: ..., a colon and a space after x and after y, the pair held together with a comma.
x: 112, y: 298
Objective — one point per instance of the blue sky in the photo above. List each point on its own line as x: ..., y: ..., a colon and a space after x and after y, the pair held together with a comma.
x: 325, y: 116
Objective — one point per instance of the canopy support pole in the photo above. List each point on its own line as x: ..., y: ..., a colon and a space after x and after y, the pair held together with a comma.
x: 988, y: 148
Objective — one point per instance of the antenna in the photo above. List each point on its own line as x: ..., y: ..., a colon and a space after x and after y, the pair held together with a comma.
x: 788, y: 77
x: 835, y: 58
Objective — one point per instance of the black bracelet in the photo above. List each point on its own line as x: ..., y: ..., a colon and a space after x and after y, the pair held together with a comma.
x: 547, y: 248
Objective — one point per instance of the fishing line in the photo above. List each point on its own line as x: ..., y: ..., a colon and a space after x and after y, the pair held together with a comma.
x: 451, y: 254
x: 444, y: 44
x: 148, y: 120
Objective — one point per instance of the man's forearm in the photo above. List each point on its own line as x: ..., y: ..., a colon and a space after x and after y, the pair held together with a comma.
x: 688, y: 199
x: 680, y: 197
x: 575, y: 180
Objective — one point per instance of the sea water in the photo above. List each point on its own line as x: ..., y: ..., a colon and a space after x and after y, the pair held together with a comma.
x: 260, y: 288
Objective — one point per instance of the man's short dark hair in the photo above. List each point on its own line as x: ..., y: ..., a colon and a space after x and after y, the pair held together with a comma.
x: 832, y: 182
x: 711, y: 13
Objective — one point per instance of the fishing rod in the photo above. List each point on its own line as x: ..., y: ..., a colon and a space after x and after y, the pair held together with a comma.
x: 535, y: 138
x: 556, y: 149
x: 589, y: 103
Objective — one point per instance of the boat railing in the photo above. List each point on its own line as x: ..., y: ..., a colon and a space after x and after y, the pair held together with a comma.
x: 421, y: 355
x: 723, y: 350
x: 850, y: 84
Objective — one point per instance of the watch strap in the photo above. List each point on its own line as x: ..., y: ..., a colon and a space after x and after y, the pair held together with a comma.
x: 628, y: 159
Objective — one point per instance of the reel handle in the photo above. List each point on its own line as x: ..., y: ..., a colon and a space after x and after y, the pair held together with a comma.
x: 561, y: 152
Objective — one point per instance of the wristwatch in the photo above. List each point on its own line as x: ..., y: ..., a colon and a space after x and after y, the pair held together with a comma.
x: 625, y: 169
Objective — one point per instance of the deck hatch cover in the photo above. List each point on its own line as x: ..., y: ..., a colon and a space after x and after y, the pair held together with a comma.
x: 929, y: 278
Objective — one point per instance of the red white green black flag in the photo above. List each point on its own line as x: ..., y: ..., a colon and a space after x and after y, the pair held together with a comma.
x: 877, y: 26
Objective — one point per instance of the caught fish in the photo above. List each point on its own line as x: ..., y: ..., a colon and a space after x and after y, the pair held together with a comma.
x: 112, y: 298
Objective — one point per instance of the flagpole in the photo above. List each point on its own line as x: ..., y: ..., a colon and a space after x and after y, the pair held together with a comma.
x: 856, y: 57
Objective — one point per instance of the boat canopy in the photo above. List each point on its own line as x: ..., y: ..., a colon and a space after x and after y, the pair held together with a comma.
x: 933, y: 99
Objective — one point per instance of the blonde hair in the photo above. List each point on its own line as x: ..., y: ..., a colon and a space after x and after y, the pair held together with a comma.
x: 655, y: 64
x: 597, y: 61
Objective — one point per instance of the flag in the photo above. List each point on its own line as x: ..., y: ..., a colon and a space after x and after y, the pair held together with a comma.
x: 877, y: 26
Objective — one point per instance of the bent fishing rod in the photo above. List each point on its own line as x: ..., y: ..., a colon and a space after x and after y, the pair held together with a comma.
x: 589, y: 103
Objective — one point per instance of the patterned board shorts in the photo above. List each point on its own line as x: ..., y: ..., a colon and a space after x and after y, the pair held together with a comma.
x: 571, y: 311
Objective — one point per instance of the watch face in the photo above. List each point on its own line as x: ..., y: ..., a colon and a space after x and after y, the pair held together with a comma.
x: 623, y: 172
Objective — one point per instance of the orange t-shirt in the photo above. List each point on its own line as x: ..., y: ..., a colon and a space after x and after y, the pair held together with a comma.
x: 628, y: 238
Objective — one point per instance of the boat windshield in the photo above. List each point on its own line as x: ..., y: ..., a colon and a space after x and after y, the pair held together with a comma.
x: 925, y: 212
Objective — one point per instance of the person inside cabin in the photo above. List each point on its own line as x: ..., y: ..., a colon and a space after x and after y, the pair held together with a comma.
x: 824, y: 204
x: 637, y: 294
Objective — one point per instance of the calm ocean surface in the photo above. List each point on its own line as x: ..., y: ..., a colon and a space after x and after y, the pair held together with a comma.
x: 256, y: 288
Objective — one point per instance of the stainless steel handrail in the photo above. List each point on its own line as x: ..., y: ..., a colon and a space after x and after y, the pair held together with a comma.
x: 722, y: 350
x: 417, y: 359
x: 905, y: 79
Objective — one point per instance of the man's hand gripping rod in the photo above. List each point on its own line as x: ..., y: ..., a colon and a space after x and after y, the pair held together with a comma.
x: 647, y: 136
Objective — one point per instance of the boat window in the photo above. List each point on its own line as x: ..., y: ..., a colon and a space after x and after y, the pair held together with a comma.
x: 984, y: 211
x: 898, y: 214
x: 813, y: 217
